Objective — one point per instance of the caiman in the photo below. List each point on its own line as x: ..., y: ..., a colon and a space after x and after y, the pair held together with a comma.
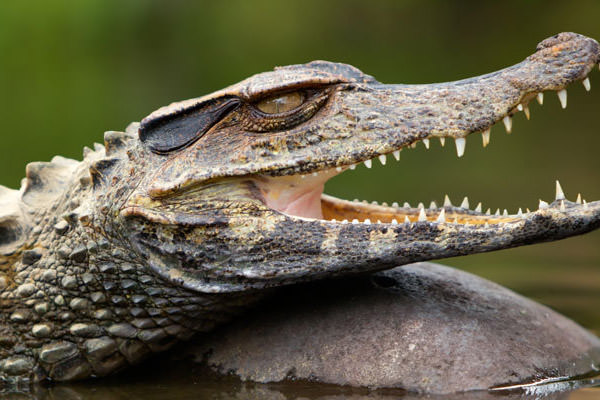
x: 187, y: 218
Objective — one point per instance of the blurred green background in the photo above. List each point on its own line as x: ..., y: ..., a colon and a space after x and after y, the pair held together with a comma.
x: 70, y: 70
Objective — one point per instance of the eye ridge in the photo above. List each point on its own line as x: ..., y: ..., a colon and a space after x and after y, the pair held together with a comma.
x: 170, y: 134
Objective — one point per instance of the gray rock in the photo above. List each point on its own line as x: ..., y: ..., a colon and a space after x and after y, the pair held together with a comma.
x: 422, y: 327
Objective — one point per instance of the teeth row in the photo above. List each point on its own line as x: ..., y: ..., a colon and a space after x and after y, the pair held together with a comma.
x: 461, y: 143
x: 560, y: 196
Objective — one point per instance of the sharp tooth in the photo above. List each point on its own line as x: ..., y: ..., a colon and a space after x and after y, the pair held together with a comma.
x: 394, y: 221
x: 585, y: 204
x: 488, y: 211
x: 354, y: 221
x: 497, y: 213
x: 505, y: 212
x: 542, y: 204
x: 520, y: 213
x: 562, y: 206
x: 528, y: 210
x: 384, y: 204
x: 526, y: 111
x: 382, y: 159
x: 507, y: 123
x: 460, y: 146
x: 367, y: 221
x: 395, y: 204
x: 378, y: 221
x: 540, y: 98
x: 406, y: 220
x: 353, y: 166
x: 586, y: 84
x: 426, y: 143
x: 578, y: 201
x: 345, y: 221
x: 560, y: 195
x: 465, y: 203
x: 432, y: 205
x: 338, y: 169
x: 396, y: 155
x: 478, y: 208
x: 422, y: 216
x: 520, y: 107
x: 562, y: 96
x: 443, y: 141
x: 406, y: 204
x: 413, y: 145
x: 447, y: 202
x: 368, y: 163
x: 421, y: 205
x: 375, y: 203
x: 485, y: 136
x: 442, y: 216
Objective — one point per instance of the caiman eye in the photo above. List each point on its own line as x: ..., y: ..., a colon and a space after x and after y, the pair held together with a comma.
x: 282, y: 103
x: 283, y: 111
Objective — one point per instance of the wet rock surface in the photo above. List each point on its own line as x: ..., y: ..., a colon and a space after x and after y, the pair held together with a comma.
x: 421, y: 328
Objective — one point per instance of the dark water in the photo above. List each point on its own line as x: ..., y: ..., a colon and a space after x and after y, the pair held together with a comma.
x: 170, y: 379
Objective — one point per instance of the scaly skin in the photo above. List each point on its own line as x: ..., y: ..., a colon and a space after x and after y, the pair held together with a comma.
x: 179, y: 223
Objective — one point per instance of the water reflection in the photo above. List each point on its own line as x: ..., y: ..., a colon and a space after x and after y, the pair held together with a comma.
x: 182, y: 379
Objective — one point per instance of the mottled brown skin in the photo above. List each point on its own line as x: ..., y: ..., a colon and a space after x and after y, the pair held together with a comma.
x: 166, y: 229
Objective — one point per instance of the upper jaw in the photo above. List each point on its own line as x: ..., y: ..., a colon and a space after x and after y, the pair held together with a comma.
x: 366, y: 119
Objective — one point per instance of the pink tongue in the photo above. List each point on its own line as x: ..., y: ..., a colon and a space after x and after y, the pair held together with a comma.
x: 294, y: 195
x: 306, y: 205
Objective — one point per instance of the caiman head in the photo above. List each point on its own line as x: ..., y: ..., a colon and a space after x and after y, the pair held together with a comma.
x: 229, y: 187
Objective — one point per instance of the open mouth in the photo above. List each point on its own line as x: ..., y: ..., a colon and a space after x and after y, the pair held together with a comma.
x: 302, y: 197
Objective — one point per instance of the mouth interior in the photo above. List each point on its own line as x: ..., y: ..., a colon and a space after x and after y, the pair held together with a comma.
x: 302, y: 196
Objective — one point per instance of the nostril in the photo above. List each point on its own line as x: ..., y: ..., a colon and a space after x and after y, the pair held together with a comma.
x: 559, y: 38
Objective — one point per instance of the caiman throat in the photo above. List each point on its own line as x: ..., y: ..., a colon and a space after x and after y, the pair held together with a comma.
x: 179, y: 223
